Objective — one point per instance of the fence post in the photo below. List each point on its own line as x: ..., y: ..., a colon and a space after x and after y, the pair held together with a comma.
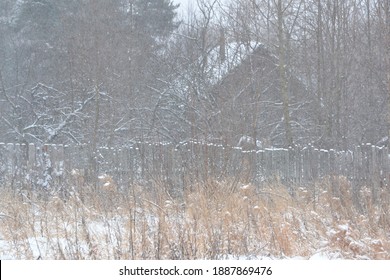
x: 286, y: 166
x: 260, y: 177
x: 268, y: 164
x: 292, y: 166
x: 130, y: 162
x: 374, y: 174
x: 58, y: 164
x: 324, y: 163
x: 306, y: 164
x: 18, y: 171
x: 357, y: 177
x: 384, y: 166
x: 333, y: 167
x: 315, y: 163
x: 31, y: 158
x: 10, y: 164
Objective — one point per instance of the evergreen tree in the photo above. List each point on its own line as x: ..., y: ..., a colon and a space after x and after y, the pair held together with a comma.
x: 155, y: 17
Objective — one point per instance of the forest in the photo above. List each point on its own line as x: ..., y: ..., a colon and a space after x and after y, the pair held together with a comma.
x: 108, y: 73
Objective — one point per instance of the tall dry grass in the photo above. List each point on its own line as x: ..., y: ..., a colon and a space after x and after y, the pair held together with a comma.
x: 211, y: 220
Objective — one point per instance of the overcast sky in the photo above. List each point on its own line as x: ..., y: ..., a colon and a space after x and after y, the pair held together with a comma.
x: 183, y: 5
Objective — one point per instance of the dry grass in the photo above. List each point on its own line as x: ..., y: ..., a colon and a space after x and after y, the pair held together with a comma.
x: 212, y: 220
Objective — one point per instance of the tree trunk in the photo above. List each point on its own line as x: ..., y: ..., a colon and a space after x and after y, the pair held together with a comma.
x: 283, y: 78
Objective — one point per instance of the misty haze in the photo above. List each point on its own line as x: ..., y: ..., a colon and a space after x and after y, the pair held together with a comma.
x: 240, y: 129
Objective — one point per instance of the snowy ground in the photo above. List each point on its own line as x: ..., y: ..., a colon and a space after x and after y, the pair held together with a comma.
x: 212, y: 222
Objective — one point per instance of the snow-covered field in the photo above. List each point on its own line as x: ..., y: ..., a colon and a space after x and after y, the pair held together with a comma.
x: 215, y: 220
